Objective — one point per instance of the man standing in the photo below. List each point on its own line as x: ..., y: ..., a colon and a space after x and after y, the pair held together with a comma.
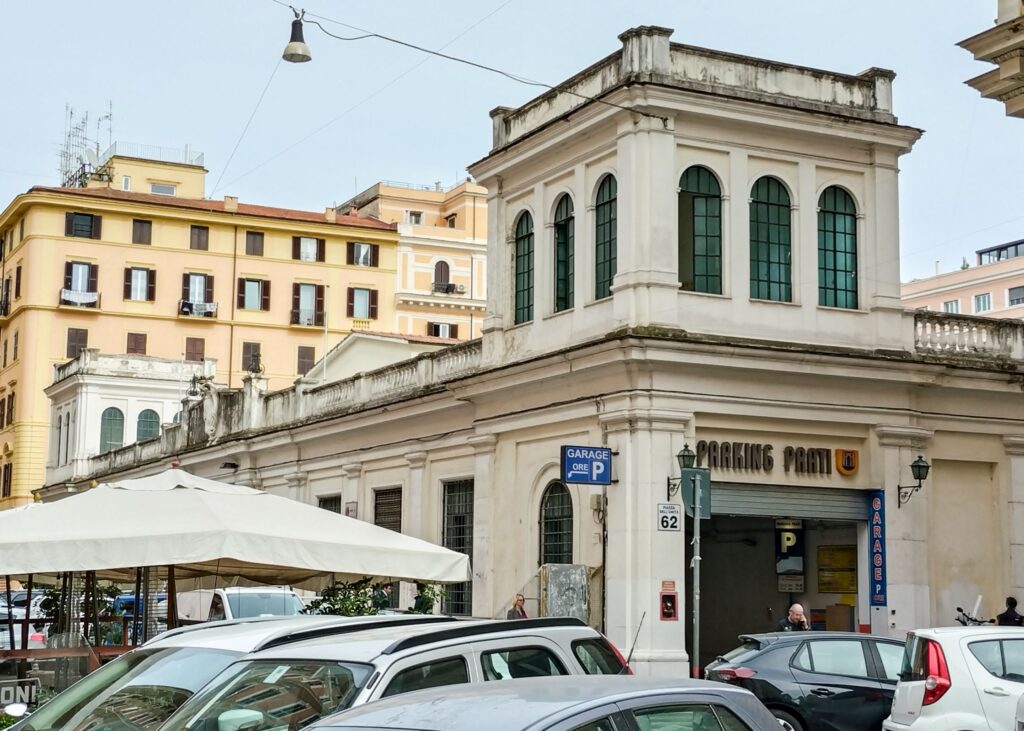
x: 1010, y: 618
x: 795, y: 620
x: 518, y: 610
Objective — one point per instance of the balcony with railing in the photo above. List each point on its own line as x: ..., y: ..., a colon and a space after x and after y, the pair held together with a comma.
x: 188, y: 308
x: 447, y: 288
x: 305, y: 316
x: 181, y: 156
x: 968, y: 337
x: 76, y: 298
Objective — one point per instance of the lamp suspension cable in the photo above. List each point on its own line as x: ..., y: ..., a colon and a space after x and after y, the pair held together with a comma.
x: 307, y: 16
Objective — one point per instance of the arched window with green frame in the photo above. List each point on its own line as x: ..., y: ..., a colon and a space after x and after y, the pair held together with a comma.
x: 556, y: 524
x: 700, y: 231
x: 111, y: 429
x: 605, y: 236
x: 770, y: 248
x: 524, y: 268
x: 565, y: 235
x: 837, y: 249
x: 148, y: 425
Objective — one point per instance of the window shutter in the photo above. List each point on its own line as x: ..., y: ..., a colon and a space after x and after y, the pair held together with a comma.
x: 432, y: 329
x: 127, y: 283
x: 374, y: 255
x: 184, y: 287
x: 151, y: 285
x: 94, y: 272
x: 67, y: 274
x: 295, y: 247
x: 296, y: 300
x: 208, y: 288
x: 350, y: 253
x: 69, y: 223
x: 318, y: 316
x: 265, y: 295
x: 373, y: 304
x: 241, y: 294
x: 96, y: 224
x: 350, y: 304
x: 17, y: 282
x: 321, y: 250
x: 454, y: 329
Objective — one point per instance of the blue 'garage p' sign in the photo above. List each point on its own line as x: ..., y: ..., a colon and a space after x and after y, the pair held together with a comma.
x: 586, y: 465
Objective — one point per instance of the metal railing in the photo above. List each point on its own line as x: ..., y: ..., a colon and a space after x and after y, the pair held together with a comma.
x: 197, y: 309
x: 305, y: 316
x: 183, y: 156
x: 79, y: 299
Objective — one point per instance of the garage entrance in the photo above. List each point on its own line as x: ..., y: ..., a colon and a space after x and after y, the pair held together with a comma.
x: 741, y: 589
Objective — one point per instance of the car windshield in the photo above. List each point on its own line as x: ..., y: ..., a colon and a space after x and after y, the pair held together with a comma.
x: 261, y: 604
x: 263, y: 695
x: 136, y: 692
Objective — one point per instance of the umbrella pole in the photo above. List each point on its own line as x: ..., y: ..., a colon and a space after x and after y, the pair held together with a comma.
x: 10, y: 610
x: 95, y: 610
x: 172, y: 600
x: 28, y: 614
x: 137, y: 612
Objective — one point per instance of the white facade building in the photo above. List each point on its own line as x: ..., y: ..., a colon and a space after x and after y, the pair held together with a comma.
x: 101, y: 402
x: 706, y: 256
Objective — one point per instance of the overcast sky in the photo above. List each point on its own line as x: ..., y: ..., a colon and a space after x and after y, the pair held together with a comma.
x: 191, y: 71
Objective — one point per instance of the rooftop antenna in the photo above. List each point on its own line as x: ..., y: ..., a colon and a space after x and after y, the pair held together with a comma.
x: 109, y: 119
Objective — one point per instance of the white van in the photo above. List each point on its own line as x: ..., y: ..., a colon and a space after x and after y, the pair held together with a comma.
x: 237, y: 602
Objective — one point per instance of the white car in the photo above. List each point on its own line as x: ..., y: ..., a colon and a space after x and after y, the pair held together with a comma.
x: 961, y: 678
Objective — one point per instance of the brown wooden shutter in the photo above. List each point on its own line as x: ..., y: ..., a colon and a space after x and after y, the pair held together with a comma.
x: 296, y: 301
x: 350, y: 304
x: 127, y: 283
x: 265, y: 295
x: 295, y: 247
x: 321, y: 250
x: 374, y: 255
x: 151, y: 285
x: 454, y: 331
x: 195, y: 349
x: 97, y: 222
x: 241, y: 294
x: 350, y: 253
x: 17, y: 282
x: 69, y: 224
x: 208, y: 288
x: 184, y: 287
x: 373, y: 304
x: 68, y: 266
x: 94, y: 275
x: 318, y: 316
x: 10, y: 409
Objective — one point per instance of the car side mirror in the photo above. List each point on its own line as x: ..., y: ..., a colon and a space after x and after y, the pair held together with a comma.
x: 239, y: 719
x: 16, y: 710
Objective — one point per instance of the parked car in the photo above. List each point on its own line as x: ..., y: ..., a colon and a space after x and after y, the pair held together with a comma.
x: 964, y: 678
x: 141, y: 689
x: 583, y: 704
x: 237, y: 602
x: 841, y: 681
x: 294, y: 685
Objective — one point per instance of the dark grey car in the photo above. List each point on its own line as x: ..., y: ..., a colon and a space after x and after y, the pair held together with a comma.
x: 568, y: 703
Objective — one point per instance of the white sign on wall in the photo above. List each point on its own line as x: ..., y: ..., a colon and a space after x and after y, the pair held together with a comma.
x: 669, y: 517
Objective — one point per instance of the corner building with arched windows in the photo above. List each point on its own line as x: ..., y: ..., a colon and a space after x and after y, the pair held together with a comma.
x: 685, y: 247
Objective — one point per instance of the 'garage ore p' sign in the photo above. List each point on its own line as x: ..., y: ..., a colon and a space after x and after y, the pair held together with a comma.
x: 586, y: 465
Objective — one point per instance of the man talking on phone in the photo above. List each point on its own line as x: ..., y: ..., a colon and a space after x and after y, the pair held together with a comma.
x: 795, y: 621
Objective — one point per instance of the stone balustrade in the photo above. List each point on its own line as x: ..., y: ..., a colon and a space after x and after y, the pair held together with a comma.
x: 946, y: 334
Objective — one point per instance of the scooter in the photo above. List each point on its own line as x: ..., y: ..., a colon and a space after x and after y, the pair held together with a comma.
x: 972, y: 620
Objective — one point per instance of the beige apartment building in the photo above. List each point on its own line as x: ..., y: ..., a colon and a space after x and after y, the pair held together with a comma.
x: 442, y: 254
x: 992, y: 288
x: 136, y: 261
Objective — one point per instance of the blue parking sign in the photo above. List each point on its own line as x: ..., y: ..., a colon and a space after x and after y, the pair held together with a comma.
x: 586, y: 465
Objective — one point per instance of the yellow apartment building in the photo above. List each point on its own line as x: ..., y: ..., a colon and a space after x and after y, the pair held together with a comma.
x: 136, y: 261
x: 441, y: 288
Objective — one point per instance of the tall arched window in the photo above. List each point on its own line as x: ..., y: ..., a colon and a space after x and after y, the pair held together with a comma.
x: 700, y: 231
x: 564, y: 253
x: 524, y: 268
x: 148, y: 425
x: 837, y: 249
x: 60, y: 444
x: 556, y: 524
x: 770, y: 252
x: 442, y: 273
x: 67, y: 437
x: 605, y: 235
x: 111, y: 429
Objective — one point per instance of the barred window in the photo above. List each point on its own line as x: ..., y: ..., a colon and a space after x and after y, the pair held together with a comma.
x: 458, y: 536
x: 700, y: 231
x: 605, y: 237
x: 556, y: 524
x: 837, y: 249
x: 331, y: 503
x: 524, y: 269
x: 564, y: 253
x: 770, y: 249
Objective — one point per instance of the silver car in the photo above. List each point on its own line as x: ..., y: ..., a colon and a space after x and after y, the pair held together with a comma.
x: 580, y: 703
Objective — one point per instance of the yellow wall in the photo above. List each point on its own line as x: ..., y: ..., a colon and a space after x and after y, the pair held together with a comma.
x: 189, y: 180
x: 42, y: 324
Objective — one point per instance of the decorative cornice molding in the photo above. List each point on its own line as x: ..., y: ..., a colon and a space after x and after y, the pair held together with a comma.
x: 903, y: 436
x: 352, y: 471
x: 641, y: 418
x: 296, y: 479
x: 483, y: 443
x: 1014, y: 444
x: 416, y: 460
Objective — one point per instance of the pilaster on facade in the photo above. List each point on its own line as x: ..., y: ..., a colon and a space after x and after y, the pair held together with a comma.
x: 484, y: 523
x: 353, y: 472
x: 912, y: 437
x: 1014, y: 446
x: 298, y: 484
x: 412, y: 521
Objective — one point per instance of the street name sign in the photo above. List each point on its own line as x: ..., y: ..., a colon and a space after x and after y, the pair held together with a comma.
x: 670, y: 517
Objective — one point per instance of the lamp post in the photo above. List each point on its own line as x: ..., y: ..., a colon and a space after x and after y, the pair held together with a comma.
x: 686, y: 458
x: 919, y: 470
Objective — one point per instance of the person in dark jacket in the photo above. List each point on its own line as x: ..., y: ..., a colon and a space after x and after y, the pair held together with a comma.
x: 795, y: 621
x: 518, y: 610
x: 1010, y: 618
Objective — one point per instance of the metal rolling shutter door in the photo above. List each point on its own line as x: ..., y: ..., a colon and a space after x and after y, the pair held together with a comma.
x: 780, y: 501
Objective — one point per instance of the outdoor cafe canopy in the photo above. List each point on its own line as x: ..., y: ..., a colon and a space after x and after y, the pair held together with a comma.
x: 208, y: 528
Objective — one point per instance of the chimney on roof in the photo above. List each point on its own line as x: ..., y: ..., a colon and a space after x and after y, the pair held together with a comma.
x: 353, y: 211
x: 231, y: 203
x: 437, y: 186
x: 330, y: 215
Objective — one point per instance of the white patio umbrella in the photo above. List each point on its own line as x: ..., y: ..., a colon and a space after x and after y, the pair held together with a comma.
x: 208, y: 528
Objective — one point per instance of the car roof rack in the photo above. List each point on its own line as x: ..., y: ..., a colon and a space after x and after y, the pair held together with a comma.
x: 388, y: 620
x: 195, y: 627
x: 487, y: 628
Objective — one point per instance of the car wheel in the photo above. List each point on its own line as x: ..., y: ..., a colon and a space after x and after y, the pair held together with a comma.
x: 787, y: 720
